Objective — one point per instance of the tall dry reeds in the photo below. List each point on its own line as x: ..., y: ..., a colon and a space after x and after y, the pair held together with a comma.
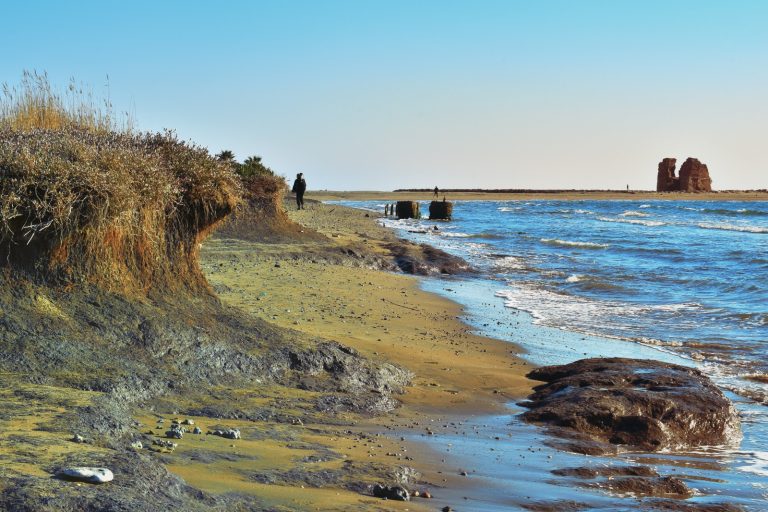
x: 84, y: 200
x: 35, y: 104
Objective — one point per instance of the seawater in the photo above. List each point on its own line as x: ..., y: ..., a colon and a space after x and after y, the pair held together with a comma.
x: 682, y: 281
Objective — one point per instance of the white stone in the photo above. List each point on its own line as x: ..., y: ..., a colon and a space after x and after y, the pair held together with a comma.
x: 91, y: 475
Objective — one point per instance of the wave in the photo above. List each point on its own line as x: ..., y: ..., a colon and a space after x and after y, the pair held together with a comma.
x: 732, y: 227
x: 736, y: 213
x: 509, y: 209
x: 632, y: 213
x: 645, y: 206
x: 650, y: 223
x: 585, y: 282
x: 568, y: 243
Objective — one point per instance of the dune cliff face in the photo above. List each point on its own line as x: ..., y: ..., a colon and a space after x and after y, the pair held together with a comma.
x: 125, y: 212
x: 101, y: 292
x: 694, y: 176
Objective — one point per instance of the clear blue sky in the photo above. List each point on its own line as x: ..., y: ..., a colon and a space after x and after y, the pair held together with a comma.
x: 378, y: 95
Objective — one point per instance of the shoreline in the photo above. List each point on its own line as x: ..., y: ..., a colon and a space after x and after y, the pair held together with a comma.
x: 574, y: 195
x: 385, y: 316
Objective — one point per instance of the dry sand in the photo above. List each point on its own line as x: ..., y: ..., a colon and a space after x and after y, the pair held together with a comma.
x: 383, y: 315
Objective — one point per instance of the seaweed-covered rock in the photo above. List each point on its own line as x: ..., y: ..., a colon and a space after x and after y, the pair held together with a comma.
x: 638, y: 404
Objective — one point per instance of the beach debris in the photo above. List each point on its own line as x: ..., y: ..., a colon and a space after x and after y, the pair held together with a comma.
x: 86, y: 474
x: 394, y: 492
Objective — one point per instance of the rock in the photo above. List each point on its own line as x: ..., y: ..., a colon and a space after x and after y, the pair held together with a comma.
x: 174, y: 434
x: 666, y: 181
x: 230, y: 433
x: 637, y: 404
x: 694, y: 176
x: 197, y: 431
x: 188, y: 422
x: 394, y: 492
x: 137, y: 445
x: 84, y: 474
x: 667, y: 486
x: 440, y: 210
x: 78, y: 439
x: 447, y: 509
x: 162, y: 443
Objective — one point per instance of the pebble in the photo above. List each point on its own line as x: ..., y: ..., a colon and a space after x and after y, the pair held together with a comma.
x: 85, y: 474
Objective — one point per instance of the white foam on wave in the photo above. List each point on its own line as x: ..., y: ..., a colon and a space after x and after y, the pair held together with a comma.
x: 509, y: 209
x: 456, y: 234
x: 511, y: 263
x: 632, y: 213
x: 645, y: 206
x: 575, y: 278
x: 568, y: 243
x: 650, y: 223
x: 732, y: 227
x: 584, y: 212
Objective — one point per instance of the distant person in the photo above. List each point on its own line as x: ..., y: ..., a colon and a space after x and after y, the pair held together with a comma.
x: 299, y: 187
x: 437, y: 192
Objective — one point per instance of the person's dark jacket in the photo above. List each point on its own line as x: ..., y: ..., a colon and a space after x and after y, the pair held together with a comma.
x: 299, y: 186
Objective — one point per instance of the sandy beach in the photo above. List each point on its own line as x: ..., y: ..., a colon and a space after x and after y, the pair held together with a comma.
x: 384, y: 316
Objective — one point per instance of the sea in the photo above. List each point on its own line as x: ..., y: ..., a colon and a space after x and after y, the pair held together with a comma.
x: 680, y: 281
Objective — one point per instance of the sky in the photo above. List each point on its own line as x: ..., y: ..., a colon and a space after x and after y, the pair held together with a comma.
x: 379, y: 95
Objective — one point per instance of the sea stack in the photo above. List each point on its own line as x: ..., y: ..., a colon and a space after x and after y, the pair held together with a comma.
x: 694, y: 176
x: 440, y: 210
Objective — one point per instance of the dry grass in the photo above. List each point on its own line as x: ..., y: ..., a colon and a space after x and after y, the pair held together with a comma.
x: 84, y: 200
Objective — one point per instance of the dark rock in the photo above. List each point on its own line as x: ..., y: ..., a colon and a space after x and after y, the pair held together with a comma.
x: 426, y: 260
x: 667, y: 486
x: 637, y: 404
x: 587, y: 473
x: 394, y: 492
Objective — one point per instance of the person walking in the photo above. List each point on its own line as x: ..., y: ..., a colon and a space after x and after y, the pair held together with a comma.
x: 437, y: 191
x: 299, y: 187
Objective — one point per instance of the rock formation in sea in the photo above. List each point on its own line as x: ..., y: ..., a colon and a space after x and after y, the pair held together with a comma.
x: 694, y: 176
x: 599, y: 405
